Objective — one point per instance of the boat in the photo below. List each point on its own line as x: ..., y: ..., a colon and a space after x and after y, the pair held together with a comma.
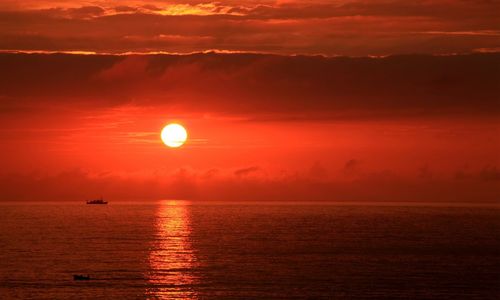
x: 81, y: 277
x: 97, y: 201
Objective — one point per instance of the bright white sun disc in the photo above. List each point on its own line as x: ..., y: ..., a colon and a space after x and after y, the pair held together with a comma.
x: 174, y: 135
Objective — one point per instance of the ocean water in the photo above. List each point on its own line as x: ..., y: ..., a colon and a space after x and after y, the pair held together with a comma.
x: 182, y: 250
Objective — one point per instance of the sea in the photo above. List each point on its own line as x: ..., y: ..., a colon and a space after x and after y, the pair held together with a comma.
x: 249, y: 250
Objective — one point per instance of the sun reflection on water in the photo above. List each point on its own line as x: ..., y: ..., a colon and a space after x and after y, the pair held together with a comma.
x: 172, y: 260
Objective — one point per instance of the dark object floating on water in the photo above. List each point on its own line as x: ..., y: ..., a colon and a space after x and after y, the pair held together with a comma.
x: 81, y: 277
x: 97, y: 201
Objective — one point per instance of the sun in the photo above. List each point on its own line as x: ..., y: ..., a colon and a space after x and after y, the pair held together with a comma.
x: 174, y: 135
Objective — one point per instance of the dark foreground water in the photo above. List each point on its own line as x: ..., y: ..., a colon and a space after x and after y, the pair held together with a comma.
x: 222, y: 250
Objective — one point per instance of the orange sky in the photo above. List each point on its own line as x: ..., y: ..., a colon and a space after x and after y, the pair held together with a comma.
x: 401, y: 104
x: 261, y: 127
x: 340, y: 27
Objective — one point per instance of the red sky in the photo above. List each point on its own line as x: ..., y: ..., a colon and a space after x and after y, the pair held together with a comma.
x: 379, y: 123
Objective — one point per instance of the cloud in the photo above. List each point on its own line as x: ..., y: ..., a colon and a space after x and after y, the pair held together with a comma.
x: 490, y: 173
x: 247, y: 171
x: 125, y: 9
x: 184, y: 183
x: 292, y: 27
x: 86, y: 12
x: 258, y: 87
x: 351, y: 167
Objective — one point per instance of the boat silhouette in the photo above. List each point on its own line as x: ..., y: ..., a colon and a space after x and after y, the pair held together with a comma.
x: 97, y: 201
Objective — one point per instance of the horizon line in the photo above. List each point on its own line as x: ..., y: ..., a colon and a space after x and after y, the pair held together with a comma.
x: 233, y: 52
x: 269, y: 201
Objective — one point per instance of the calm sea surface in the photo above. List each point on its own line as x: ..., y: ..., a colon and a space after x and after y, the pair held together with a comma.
x: 171, y: 249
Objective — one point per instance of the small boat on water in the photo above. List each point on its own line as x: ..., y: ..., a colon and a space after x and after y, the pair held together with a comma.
x: 81, y: 277
x: 97, y: 201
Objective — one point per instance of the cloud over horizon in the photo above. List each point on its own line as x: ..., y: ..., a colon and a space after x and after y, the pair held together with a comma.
x: 188, y: 184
